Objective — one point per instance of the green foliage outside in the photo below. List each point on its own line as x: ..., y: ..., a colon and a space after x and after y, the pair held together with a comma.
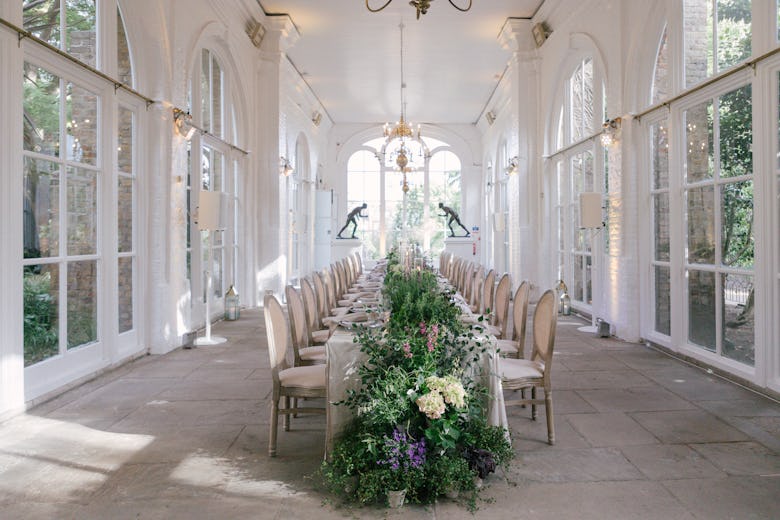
x: 41, y: 339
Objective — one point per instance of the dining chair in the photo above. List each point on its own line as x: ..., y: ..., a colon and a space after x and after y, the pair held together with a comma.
x: 519, y: 374
x: 499, y: 315
x: 317, y: 334
x: 475, y: 292
x: 296, y: 382
x: 304, y: 352
x: 488, y: 293
x: 514, y: 347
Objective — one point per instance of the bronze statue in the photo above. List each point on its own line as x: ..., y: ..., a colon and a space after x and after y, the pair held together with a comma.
x: 352, y: 219
x: 452, y: 217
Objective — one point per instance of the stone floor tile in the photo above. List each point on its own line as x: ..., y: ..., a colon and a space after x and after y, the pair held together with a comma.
x: 698, y: 385
x: 636, y: 399
x: 599, y: 380
x: 758, y: 406
x: 610, y: 429
x: 729, y: 498
x: 636, y: 500
x: 741, y: 458
x: 670, y: 461
x: 688, y: 426
x: 528, y: 435
x: 582, y: 465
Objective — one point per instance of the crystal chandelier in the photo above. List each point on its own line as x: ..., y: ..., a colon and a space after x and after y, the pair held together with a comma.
x: 422, y: 6
x: 402, y: 129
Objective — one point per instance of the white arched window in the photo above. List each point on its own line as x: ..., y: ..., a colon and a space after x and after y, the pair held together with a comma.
x: 217, y: 170
x: 701, y: 186
x: 81, y: 174
x: 403, y: 207
x: 579, y: 168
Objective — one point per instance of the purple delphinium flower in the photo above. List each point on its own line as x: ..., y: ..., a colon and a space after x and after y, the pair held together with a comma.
x: 402, y: 451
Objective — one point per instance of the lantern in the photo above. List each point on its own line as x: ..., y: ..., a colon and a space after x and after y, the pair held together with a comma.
x: 565, y: 304
x: 564, y: 301
x: 232, y: 310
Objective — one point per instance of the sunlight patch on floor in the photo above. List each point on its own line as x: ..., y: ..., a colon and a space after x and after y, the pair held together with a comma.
x: 62, y: 458
x: 215, y: 472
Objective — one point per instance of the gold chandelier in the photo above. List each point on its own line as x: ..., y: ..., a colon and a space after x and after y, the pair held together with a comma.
x: 422, y: 6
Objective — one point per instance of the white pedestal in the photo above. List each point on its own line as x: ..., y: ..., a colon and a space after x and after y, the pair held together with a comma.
x: 462, y: 247
x: 343, y: 247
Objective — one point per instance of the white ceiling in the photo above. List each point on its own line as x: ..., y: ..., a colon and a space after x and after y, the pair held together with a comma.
x: 351, y: 57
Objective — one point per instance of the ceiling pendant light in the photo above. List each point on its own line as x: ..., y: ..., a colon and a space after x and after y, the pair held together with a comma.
x: 401, y: 129
x: 422, y: 6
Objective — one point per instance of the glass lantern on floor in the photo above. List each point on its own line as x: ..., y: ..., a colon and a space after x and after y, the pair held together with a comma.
x: 232, y: 305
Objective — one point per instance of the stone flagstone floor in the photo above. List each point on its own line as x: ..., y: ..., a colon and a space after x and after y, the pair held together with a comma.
x: 639, y: 435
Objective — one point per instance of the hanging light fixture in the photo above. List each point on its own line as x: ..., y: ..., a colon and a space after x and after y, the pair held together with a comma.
x: 401, y: 129
x: 422, y: 6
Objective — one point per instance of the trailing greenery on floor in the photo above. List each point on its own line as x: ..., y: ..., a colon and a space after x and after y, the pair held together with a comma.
x: 420, y: 421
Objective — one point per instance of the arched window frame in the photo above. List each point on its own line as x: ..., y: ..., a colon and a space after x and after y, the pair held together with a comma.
x: 118, y: 121
x: 579, y: 259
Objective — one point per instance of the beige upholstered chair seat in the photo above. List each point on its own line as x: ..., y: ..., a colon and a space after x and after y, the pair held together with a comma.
x: 516, y: 369
x: 507, y: 347
x: 313, y: 354
x: 320, y: 336
x: 311, y: 377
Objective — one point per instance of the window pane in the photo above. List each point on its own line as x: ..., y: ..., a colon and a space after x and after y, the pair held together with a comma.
x: 579, y: 290
x: 41, y: 311
x: 82, y: 211
x: 80, y: 27
x: 734, y: 32
x: 124, y: 64
x: 41, y: 111
x: 81, y: 108
x: 82, y: 303
x: 444, y: 186
x: 661, y: 226
x: 701, y: 309
x: 217, y: 170
x: 706, y: 54
x: 736, y: 133
x: 701, y: 227
x: 738, y: 334
x: 588, y: 279
x: 216, y: 98
x: 660, y: 154
x: 700, y: 162
x: 205, y: 90
x: 42, y: 19
x: 216, y: 282
x: 363, y: 186
x: 125, y: 194
x: 41, y: 208
x: 125, y: 141
x: 737, y: 243
x: 663, y: 301
x: 125, y: 287
x: 661, y: 88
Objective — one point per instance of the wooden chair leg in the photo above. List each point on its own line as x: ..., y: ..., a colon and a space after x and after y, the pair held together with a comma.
x: 549, y: 409
x: 274, y: 427
x: 286, y: 420
x: 533, y: 405
x: 295, y: 405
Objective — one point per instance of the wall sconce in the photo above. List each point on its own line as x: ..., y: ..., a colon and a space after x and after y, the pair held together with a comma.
x: 511, y: 168
x: 316, y: 118
x: 182, y: 123
x: 491, y: 117
x: 284, y: 167
x: 611, y: 132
